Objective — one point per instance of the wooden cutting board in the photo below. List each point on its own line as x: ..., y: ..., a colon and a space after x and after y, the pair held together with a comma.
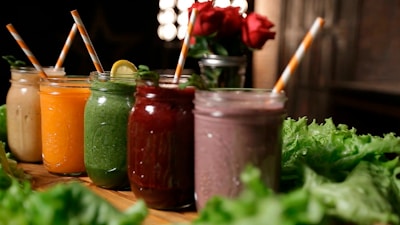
x: 120, y: 199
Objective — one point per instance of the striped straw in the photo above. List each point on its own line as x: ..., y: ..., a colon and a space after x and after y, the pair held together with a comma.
x: 66, y: 47
x: 185, y: 47
x: 88, y: 42
x: 296, y: 58
x: 26, y: 50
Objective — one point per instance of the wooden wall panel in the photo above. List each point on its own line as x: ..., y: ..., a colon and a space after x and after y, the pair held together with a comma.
x: 330, y: 57
x: 352, y: 71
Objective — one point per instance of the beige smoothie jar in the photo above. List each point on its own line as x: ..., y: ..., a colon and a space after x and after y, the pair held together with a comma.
x: 23, y: 115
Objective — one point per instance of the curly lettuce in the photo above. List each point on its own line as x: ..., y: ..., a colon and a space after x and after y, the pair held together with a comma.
x: 65, y: 203
x: 330, y: 150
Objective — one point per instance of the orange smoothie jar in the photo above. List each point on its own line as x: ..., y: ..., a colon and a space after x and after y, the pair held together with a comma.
x: 62, y: 103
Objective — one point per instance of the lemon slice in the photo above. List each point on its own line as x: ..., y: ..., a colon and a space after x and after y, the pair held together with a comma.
x: 123, y: 68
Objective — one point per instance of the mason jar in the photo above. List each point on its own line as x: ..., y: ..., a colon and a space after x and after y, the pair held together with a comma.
x: 62, y: 104
x: 161, y: 145
x: 223, y: 71
x: 23, y: 115
x: 236, y: 127
x: 105, y: 129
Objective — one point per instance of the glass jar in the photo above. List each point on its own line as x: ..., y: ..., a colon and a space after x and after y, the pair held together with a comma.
x: 23, y: 115
x: 161, y: 145
x: 62, y: 103
x: 234, y: 128
x: 105, y: 129
x: 223, y: 71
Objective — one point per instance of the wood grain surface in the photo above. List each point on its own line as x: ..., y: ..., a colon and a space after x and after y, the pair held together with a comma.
x: 41, y: 179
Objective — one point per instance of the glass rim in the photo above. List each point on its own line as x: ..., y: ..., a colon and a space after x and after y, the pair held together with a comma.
x: 165, y: 81
x: 106, y: 76
x: 30, y: 69
x: 241, y: 89
x: 76, y: 81
x: 218, y: 60
x: 241, y: 93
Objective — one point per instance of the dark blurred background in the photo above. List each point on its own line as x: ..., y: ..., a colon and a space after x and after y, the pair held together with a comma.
x: 118, y: 30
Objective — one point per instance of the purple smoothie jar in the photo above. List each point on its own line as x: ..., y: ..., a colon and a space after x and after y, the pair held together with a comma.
x: 235, y: 127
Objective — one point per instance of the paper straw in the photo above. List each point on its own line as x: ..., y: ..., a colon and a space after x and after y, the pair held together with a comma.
x: 66, y: 47
x: 26, y: 50
x: 185, y: 47
x: 88, y: 42
x: 296, y: 58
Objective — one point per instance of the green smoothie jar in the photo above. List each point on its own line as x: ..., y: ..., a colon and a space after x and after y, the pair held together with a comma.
x: 105, y: 129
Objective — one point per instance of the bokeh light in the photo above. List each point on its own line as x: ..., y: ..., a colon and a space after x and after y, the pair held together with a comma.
x: 173, y: 16
x: 167, y: 32
x: 166, y: 16
x: 165, y: 4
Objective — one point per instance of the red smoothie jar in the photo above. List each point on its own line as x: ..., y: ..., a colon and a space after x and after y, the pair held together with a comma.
x: 161, y: 145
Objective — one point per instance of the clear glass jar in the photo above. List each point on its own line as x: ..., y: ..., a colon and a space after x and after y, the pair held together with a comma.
x: 223, y: 71
x: 161, y: 145
x: 62, y: 102
x: 105, y: 129
x: 23, y: 115
x: 234, y: 128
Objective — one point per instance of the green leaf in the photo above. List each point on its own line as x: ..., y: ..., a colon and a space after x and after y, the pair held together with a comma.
x: 220, y: 50
x: 367, y: 195
x: 4, y: 160
x: 331, y: 150
x: 3, y: 123
x: 195, y: 80
x: 14, y: 62
x: 146, y: 75
x: 259, y: 205
x: 68, y: 203
x: 80, y: 205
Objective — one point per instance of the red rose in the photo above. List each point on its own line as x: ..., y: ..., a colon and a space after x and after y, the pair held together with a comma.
x: 232, y: 21
x: 208, y: 19
x: 224, y: 31
x: 256, y: 30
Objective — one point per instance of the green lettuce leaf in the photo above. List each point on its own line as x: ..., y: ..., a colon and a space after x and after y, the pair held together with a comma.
x: 368, y: 195
x: 259, y: 205
x: 330, y: 150
x: 68, y: 203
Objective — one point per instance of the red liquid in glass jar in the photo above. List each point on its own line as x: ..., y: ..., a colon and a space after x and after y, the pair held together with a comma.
x: 161, y: 147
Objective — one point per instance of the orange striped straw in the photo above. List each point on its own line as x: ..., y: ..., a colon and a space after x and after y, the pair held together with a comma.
x: 296, y: 58
x: 66, y: 47
x: 26, y: 50
x: 185, y: 47
x: 88, y: 42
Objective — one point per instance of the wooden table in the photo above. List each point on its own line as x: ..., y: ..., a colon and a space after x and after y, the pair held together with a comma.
x: 120, y: 199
